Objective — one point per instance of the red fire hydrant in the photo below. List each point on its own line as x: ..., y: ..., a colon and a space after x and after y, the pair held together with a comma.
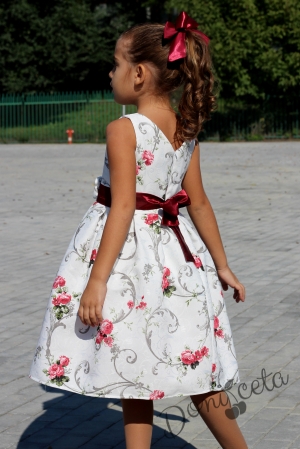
x: 70, y: 133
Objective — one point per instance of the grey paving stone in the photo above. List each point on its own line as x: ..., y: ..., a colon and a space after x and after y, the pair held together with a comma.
x: 296, y: 443
x: 120, y: 446
x: 107, y: 438
x: 24, y: 445
x: 104, y: 441
x: 23, y: 430
x: 272, y: 444
x: 46, y: 436
x: 207, y: 444
x: 8, y: 440
x: 296, y: 410
x: 51, y: 415
x: 91, y: 445
x: 170, y: 442
x: 68, y: 422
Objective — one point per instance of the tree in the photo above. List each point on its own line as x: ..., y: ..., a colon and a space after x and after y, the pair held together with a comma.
x: 59, y: 45
x: 255, y: 44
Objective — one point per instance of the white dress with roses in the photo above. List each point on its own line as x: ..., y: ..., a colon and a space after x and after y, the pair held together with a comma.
x: 165, y: 331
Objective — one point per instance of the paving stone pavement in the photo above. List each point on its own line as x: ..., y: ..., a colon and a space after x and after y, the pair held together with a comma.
x: 254, y: 189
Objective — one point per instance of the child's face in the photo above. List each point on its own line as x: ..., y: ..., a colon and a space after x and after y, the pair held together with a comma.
x: 122, y: 76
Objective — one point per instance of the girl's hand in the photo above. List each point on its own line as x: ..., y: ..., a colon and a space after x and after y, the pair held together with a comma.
x: 228, y: 278
x: 91, y: 303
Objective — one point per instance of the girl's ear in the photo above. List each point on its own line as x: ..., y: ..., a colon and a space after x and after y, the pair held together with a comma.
x: 140, y: 74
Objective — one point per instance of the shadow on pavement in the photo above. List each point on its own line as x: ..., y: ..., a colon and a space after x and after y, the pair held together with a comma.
x: 72, y: 421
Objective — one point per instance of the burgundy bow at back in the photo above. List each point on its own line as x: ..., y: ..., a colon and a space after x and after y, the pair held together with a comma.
x: 170, y: 207
x: 177, y: 33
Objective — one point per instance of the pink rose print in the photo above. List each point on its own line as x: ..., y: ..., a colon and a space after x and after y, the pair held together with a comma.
x: 61, y: 298
x: 219, y: 333
x: 166, y: 272
x: 148, y: 157
x: 106, y: 327
x: 222, y: 294
x: 64, y: 361
x: 55, y: 301
x: 108, y: 341
x: 137, y: 169
x: 198, y: 355
x: 94, y: 254
x: 151, y: 218
x: 198, y: 262
x: 156, y: 394
x: 59, y: 282
x: 165, y: 283
x: 187, y: 357
x: 99, y: 338
x: 213, y: 381
x: 204, y: 351
x: 55, y: 371
x: 130, y: 304
x: 142, y: 305
x: 93, y: 257
x: 59, y: 305
x: 64, y: 298
x: 217, y: 329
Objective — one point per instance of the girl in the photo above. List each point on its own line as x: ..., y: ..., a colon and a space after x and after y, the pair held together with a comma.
x: 137, y: 310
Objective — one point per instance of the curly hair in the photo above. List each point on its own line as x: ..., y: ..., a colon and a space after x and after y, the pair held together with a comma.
x: 193, y: 73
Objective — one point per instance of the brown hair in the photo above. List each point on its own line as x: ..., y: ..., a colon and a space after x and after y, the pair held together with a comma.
x: 193, y: 73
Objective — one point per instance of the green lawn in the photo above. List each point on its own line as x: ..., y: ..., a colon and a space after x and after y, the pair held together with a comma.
x: 49, y: 122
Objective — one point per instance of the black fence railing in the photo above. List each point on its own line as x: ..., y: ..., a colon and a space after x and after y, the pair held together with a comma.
x: 47, y: 117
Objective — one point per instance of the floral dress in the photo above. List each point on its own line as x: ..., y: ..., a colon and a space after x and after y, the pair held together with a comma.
x: 165, y: 331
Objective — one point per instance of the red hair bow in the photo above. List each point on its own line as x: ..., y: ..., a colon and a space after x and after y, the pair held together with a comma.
x: 177, y: 31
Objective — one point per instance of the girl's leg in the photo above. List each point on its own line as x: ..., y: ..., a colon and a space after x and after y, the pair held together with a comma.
x: 138, y: 421
x: 212, y: 407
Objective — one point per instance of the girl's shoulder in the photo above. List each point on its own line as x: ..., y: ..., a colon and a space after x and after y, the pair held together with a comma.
x: 120, y: 131
x: 137, y: 122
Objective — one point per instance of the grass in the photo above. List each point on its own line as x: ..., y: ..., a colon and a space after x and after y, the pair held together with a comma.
x: 88, y: 120
x: 48, y: 122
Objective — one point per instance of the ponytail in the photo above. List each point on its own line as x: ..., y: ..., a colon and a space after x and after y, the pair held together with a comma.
x: 197, y: 100
x: 194, y: 73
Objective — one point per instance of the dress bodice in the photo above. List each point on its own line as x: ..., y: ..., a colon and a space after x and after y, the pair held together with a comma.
x: 159, y: 169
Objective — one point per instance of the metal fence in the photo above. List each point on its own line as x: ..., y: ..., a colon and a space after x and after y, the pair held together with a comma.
x: 275, y: 118
x: 47, y: 117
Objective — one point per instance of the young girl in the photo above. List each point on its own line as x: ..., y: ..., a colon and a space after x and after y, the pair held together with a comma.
x: 137, y: 309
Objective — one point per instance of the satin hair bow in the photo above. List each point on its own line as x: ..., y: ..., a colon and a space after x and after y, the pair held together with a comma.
x: 177, y: 33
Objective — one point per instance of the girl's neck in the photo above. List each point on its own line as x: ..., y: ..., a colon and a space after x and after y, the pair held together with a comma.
x: 154, y: 105
x: 160, y: 112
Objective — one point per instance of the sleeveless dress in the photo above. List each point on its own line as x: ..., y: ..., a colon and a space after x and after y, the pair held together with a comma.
x: 165, y: 331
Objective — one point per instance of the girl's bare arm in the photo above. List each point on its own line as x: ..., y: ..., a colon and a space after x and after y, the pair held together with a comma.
x: 121, y: 145
x: 203, y: 217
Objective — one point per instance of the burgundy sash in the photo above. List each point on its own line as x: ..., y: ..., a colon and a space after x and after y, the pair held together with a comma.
x: 170, y: 207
